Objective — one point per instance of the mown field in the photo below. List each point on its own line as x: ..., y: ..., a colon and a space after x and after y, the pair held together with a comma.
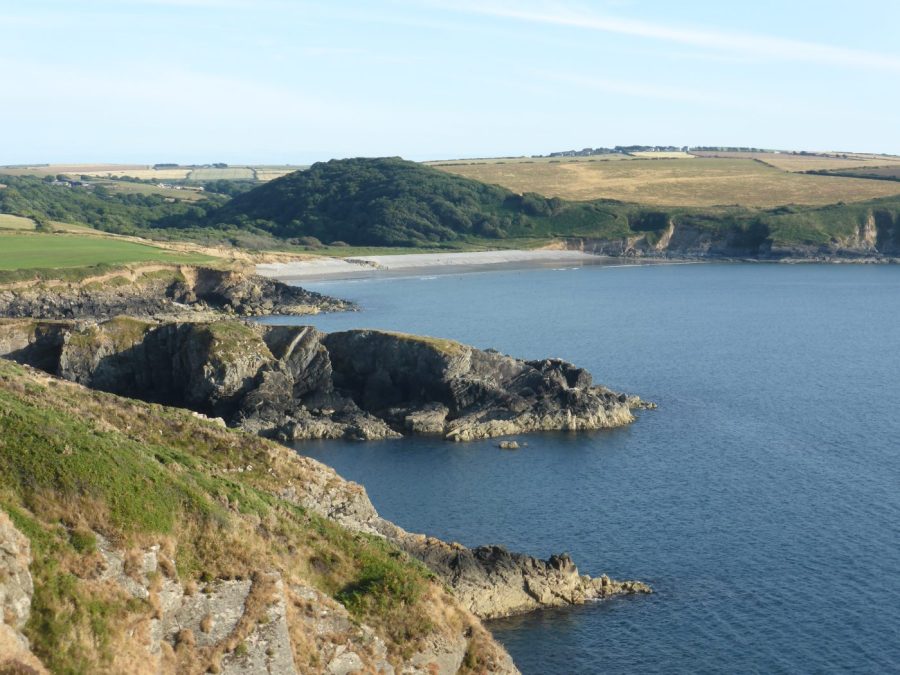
x: 259, y: 173
x: 11, y: 222
x: 19, y: 251
x: 877, y: 172
x: 798, y: 163
x: 674, y: 182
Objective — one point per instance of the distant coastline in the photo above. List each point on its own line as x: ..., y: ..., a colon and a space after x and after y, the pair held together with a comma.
x: 324, y: 268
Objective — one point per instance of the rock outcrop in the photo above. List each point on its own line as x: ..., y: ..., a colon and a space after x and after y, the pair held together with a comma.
x: 294, y: 382
x: 16, y: 591
x: 870, y: 235
x: 489, y: 581
x: 166, y: 292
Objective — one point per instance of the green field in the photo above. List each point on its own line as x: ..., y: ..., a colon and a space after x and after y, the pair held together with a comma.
x: 43, y: 251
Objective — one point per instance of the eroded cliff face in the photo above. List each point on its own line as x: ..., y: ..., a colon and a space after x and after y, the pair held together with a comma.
x: 294, y: 382
x: 874, y: 238
x: 159, y: 291
x: 16, y: 591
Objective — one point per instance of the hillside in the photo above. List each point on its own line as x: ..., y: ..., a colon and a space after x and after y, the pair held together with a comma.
x: 384, y: 201
x: 390, y: 202
x: 692, y: 182
x: 142, y: 539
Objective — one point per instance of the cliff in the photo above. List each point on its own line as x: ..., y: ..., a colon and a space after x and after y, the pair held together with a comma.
x: 160, y: 291
x: 838, y: 233
x: 142, y: 538
x: 294, y: 382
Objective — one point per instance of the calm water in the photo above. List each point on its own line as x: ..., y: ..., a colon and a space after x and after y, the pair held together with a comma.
x: 761, y: 500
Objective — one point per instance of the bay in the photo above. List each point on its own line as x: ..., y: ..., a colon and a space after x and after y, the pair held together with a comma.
x: 761, y: 500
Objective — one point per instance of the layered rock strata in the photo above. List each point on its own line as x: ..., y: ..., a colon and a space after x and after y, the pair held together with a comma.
x: 294, y: 382
x: 166, y: 292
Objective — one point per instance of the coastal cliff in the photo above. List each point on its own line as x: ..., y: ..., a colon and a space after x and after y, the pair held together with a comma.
x: 294, y: 382
x: 160, y: 291
x: 142, y: 538
x: 847, y: 234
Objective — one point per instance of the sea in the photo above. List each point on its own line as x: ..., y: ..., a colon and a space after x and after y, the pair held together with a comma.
x: 761, y: 500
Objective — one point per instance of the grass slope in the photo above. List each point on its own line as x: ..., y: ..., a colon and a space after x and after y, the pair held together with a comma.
x: 75, y: 462
x: 20, y: 251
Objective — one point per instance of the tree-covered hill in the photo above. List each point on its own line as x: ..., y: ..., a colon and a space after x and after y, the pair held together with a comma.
x: 394, y: 202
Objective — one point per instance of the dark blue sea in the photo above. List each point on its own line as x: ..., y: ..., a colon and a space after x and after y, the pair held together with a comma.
x: 761, y: 500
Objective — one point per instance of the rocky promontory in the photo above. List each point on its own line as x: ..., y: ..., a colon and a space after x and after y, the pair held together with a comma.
x: 172, y: 544
x: 166, y: 292
x: 295, y: 382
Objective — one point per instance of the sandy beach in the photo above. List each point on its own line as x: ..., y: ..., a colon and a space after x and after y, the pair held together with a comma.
x: 425, y: 263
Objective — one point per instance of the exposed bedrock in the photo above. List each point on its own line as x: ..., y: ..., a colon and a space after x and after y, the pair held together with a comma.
x: 294, y: 382
x: 873, y: 236
x: 489, y: 581
x: 161, y: 291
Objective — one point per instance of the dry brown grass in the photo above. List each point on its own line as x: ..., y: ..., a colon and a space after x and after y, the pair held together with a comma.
x: 11, y: 222
x: 799, y: 163
x: 675, y: 182
x: 73, y: 169
x: 662, y: 155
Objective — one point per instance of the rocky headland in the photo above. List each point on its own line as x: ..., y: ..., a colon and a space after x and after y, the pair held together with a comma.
x: 875, y: 238
x: 165, y: 292
x: 242, y: 557
x: 295, y: 382
x: 276, y: 564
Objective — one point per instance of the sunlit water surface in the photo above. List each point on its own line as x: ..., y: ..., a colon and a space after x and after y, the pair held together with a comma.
x: 761, y: 500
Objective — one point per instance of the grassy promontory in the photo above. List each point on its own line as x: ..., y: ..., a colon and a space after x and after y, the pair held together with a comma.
x: 80, y: 470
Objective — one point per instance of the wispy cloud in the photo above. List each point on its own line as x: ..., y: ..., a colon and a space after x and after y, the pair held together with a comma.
x: 663, y: 92
x: 761, y: 46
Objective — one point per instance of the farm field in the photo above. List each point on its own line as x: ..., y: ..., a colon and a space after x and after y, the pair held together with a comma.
x: 71, y: 169
x: 891, y: 172
x: 260, y: 173
x: 789, y: 162
x: 33, y: 251
x: 527, y: 160
x: 266, y: 173
x: 11, y: 222
x: 144, y: 174
x: 230, y: 173
x: 147, y: 189
x: 662, y: 155
x: 676, y: 182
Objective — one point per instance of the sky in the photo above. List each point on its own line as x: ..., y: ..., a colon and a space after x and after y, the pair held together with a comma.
x: 283, y: 81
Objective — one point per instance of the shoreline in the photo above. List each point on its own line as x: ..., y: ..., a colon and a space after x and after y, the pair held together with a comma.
x: 413, y: 264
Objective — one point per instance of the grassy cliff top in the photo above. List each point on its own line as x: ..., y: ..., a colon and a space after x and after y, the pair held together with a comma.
x: 75, y: 463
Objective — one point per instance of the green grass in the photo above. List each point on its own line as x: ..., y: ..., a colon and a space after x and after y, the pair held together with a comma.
x: 74, y: 462
x: 42, y: 251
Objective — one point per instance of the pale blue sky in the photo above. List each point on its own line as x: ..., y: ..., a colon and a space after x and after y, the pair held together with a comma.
x: 279, y: 81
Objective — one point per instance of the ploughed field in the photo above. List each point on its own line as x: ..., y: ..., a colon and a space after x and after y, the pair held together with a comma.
x: 698, y: 181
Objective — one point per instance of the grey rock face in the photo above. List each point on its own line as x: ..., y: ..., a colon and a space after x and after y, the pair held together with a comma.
x: 187, y: 291
x: 16, y: 586
x: 489, y: 580
x: 294, y: 382
x: 16, y: 591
